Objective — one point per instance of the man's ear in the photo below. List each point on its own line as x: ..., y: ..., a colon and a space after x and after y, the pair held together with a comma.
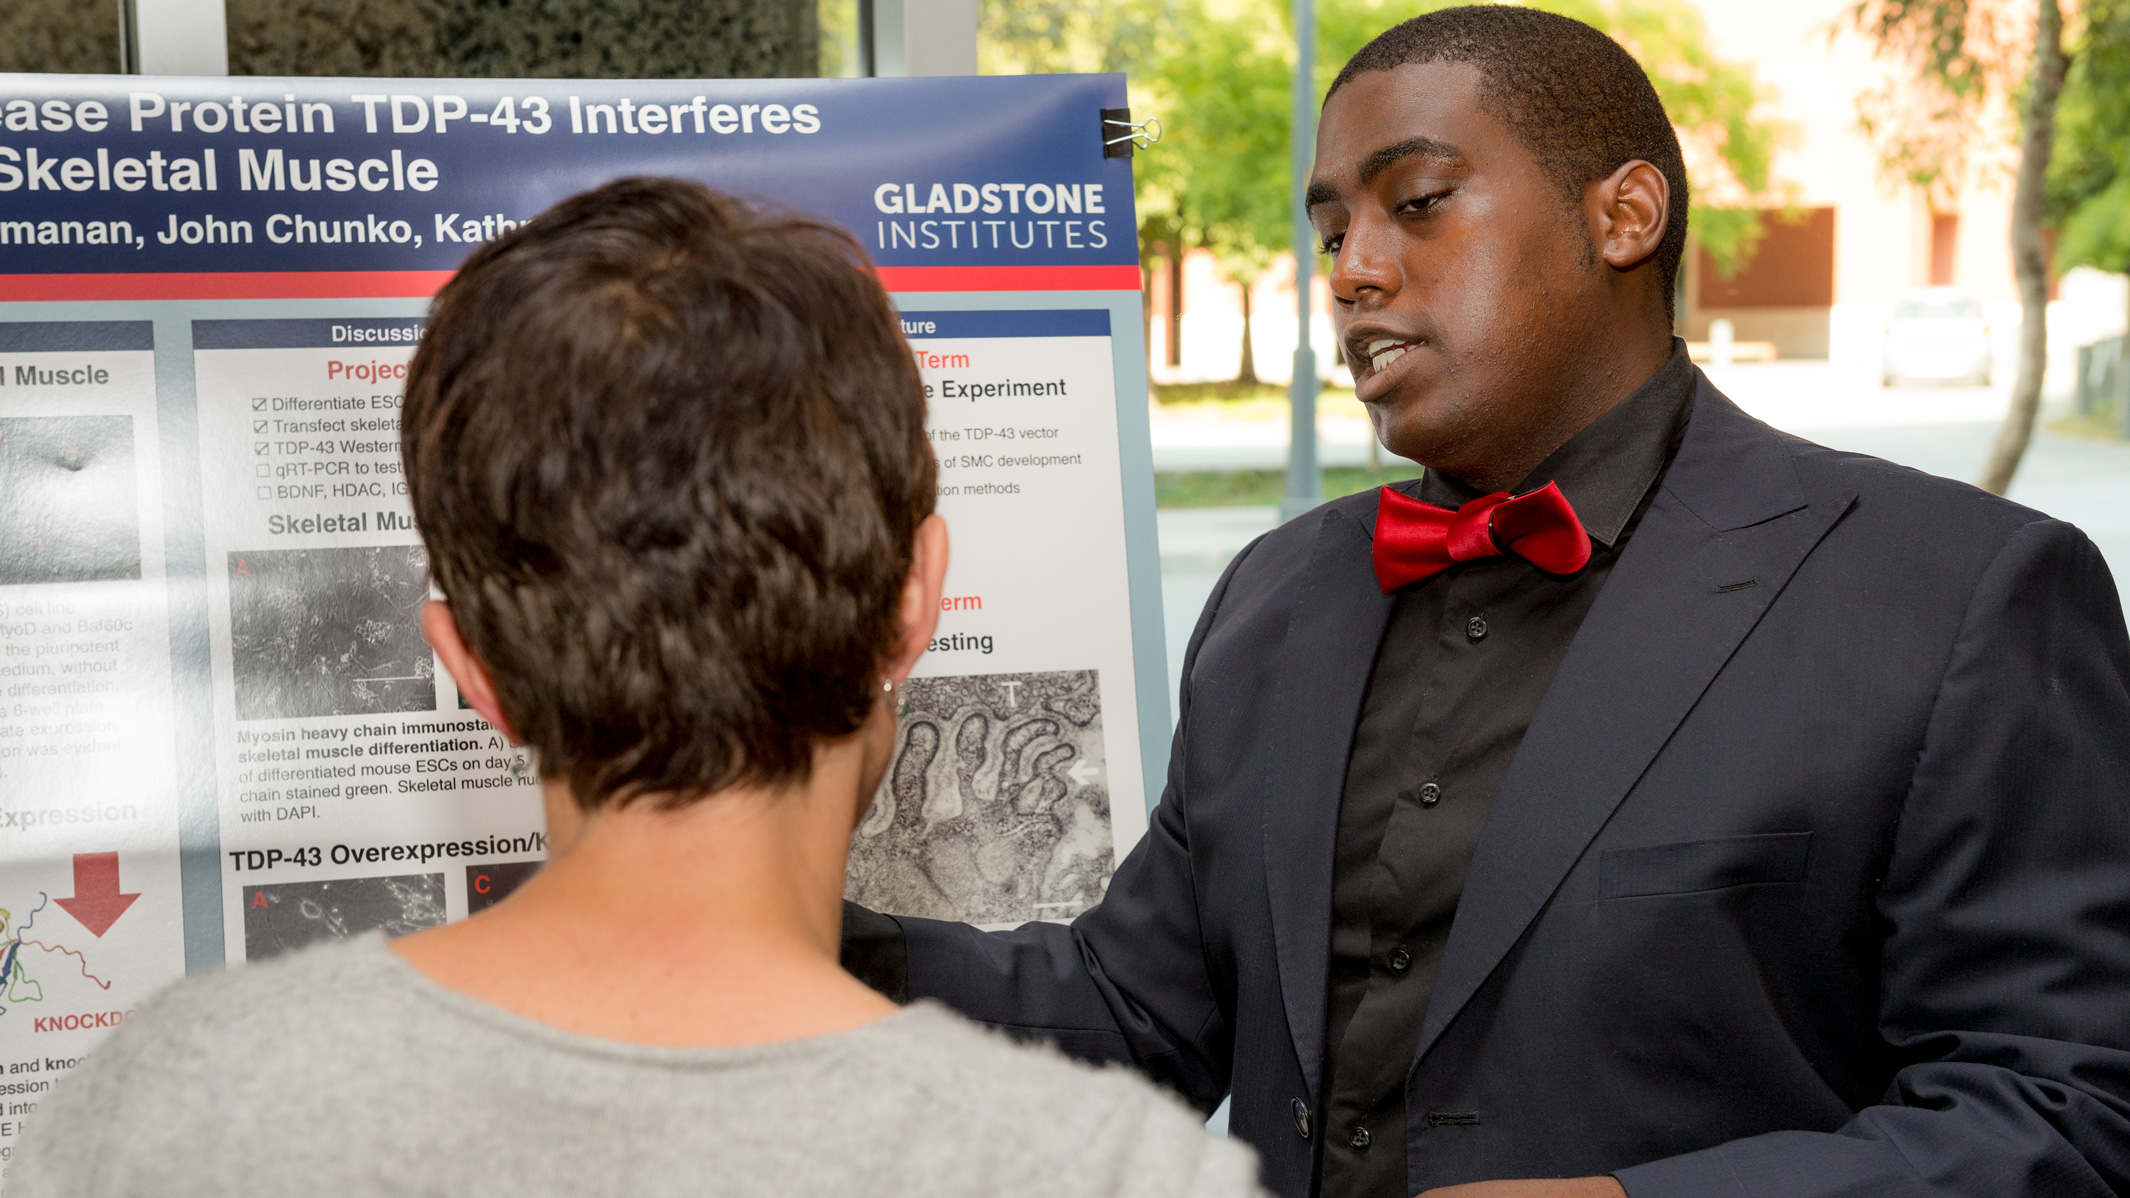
x: 475, y: 686
x: 1628, y: 213
x: 919, y: 608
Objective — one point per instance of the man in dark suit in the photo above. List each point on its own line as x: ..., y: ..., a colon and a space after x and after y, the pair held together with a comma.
x: 1720, y: 814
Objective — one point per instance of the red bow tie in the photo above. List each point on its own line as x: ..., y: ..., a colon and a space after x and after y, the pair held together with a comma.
x: 1416, y: 540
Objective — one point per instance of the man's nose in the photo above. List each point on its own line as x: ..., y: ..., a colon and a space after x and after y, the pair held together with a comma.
x: 1366, y: 266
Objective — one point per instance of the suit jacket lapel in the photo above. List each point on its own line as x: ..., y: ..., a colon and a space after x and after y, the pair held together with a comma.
x: 1330, y: 647
x: 1724, y: 534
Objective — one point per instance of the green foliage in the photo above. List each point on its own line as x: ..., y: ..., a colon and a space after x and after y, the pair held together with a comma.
x: 2097, y: 233
x: 1934, y: 35
x: 1959, y: 68
x: 1730, y: 149
x: 2089, y: 175
x: 1934, y: 117
x: 840, y: 55
x: 1219, y: 74
x: 1227, y: 121
x: 1730, y: 236
x: 1730, y: 153
x: 1023, y: 37
x: 1132, y: 36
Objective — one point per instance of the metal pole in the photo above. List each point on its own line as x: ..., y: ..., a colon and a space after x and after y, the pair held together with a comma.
x: 129, y: 42
x: 939, y: 37
x: 867, y: 68
x: 1305, y: 481
x: 181, y: 37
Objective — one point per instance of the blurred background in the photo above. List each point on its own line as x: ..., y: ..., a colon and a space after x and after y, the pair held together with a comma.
x: 1911, y: 218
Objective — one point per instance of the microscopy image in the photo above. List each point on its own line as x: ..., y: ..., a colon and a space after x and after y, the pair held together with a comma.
x: 70, y: 511
x: 487, y: 885
x: 329, y: 632
x: 996, y: 806
x: 285, y: 916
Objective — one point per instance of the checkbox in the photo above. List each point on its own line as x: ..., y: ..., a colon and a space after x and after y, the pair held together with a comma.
x: 266, y: 492
x: 258, y: 426
x: 258, y: 448
x: 258, y: 405
x: 263, y: 470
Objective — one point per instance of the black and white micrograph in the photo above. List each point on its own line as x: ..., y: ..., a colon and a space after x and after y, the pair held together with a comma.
x: 284, y: 916
x: 69, y: 503
x: 330, y: 632
x: 995, y: 808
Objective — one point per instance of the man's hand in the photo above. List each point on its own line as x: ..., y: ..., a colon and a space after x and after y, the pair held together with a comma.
x: 1569, y: 1187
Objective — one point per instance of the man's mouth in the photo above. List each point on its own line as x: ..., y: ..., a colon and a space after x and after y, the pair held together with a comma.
x: 1383, y: 351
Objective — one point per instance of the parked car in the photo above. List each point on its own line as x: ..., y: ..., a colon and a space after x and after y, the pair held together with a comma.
x: 1937, y: 336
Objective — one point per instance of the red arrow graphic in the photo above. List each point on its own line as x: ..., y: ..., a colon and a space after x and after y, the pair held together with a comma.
x: 97, y: 902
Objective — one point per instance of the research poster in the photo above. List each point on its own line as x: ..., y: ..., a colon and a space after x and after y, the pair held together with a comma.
x: 222, y: 736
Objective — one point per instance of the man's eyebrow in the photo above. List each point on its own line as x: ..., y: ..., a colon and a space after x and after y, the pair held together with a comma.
x: 1382, y: 160
x: 1389, y: 156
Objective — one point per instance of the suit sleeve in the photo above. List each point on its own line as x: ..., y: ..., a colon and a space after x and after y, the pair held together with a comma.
x: 1127, y: 982
x: 2005, y: 916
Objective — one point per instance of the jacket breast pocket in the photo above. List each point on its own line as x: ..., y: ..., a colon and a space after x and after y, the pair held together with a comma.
x: 1697, y: 865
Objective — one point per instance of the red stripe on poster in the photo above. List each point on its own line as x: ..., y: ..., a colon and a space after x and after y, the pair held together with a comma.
x: 421, y: 284
x: 290, y: 284
x: 1010, y: 278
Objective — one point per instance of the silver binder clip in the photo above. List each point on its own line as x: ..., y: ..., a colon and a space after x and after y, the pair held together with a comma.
x: 1141, y: 134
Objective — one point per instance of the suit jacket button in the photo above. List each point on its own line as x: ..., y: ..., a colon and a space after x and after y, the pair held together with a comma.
x: 1475, y: 628
x: 1430, y: 794
x: 1400, y: 961
x: 1360, y: 1137
x: 1301, y: 1118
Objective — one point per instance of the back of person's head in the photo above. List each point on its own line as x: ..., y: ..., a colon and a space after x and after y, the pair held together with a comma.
x: 1575, y: 97
x: 667, y: 452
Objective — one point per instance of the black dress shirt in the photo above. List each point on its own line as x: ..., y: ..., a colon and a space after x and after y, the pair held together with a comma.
x: 1462, y: 666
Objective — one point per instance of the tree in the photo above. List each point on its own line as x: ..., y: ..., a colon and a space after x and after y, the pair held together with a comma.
x: 1230, y: 87
x: 1968, y: 64
x: 1219, y: 72
x: 1714, y: 105
x: 2089, y: 175
x: 1216, y: 78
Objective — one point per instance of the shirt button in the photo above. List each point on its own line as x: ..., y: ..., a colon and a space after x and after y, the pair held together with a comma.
x: 1400, y: 961
x: 1301, y: 1118
x: 1360, y: 1136
x: 1475, y: 629
x: 1430, y: 794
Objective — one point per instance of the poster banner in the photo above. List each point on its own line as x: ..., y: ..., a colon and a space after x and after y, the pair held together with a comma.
x: 222, y: 736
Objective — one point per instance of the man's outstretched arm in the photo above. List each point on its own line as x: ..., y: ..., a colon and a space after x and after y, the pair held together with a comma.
x: 1126, y: 982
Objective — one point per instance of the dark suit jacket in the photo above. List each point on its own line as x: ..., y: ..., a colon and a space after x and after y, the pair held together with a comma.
x: 1812, y: 876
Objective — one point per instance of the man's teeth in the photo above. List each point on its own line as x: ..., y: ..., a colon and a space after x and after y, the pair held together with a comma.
x: 1383, y: 353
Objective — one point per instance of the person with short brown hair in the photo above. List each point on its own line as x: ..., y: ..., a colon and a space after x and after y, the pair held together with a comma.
x: 667, y: 453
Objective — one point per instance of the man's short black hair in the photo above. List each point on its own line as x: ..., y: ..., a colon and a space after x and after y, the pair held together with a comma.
x: 1575, y: 97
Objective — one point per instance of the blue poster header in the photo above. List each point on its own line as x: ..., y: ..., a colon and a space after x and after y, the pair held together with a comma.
x: 1069, y: 322
x: 102, y: 173
x: 305, y: 334
x: 68, y: 336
